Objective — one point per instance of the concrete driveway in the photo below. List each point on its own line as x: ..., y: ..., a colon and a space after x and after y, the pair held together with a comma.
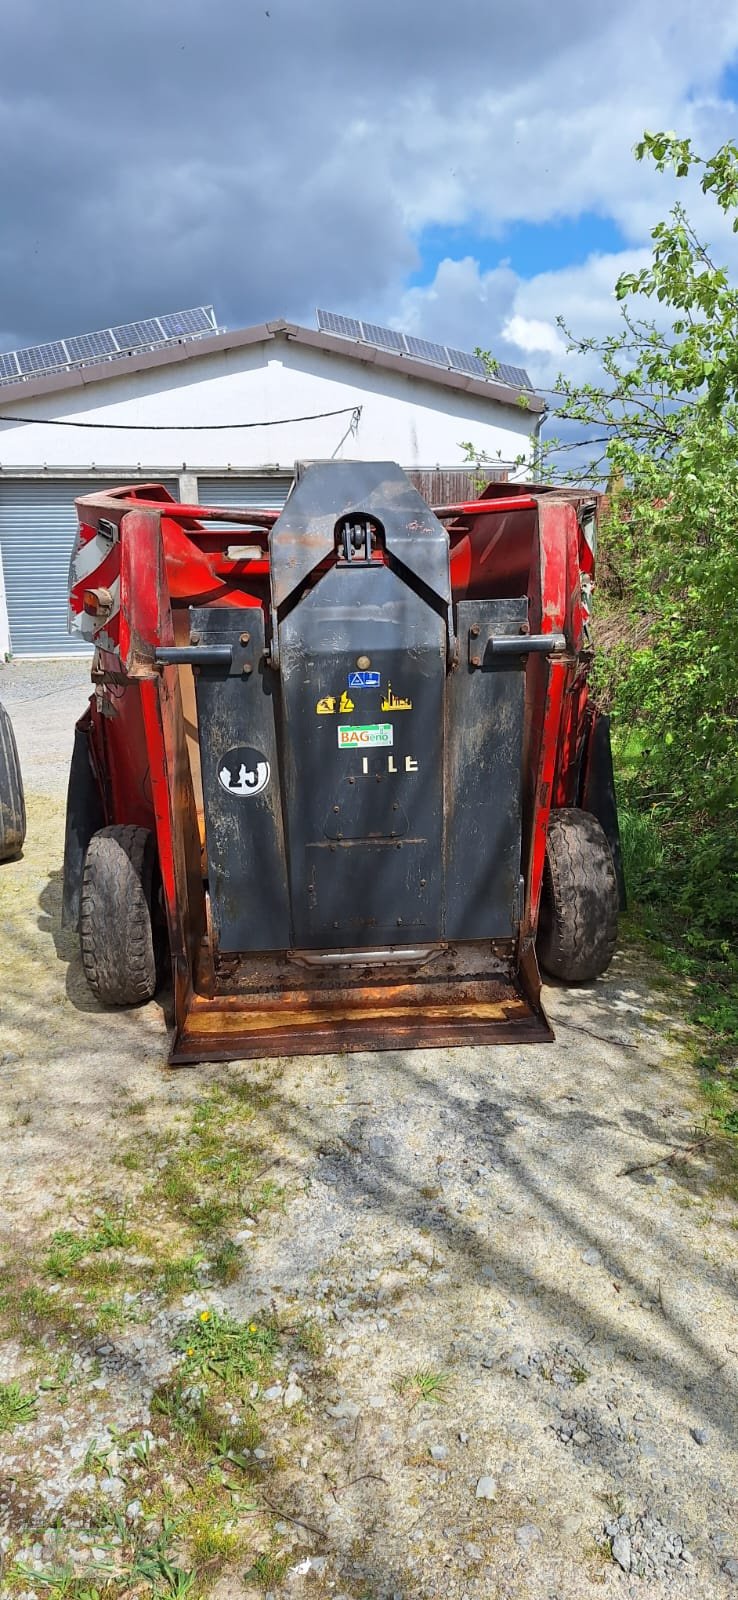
x: 444, y: 1323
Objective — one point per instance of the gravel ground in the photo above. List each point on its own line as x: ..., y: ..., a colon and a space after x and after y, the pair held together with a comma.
x: 518, y: 1266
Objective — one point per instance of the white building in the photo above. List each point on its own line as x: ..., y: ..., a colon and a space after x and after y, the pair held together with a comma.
x: 222, y: 419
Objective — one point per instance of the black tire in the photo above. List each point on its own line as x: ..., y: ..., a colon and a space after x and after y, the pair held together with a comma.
x: 12, y: 804
x: 578, y: 922
x: 116, y: 931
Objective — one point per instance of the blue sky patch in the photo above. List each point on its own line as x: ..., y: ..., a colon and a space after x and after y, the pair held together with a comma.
x: 529, y: 247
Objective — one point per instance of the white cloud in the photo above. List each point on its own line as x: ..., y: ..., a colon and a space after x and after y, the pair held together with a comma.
x: 533, y: 336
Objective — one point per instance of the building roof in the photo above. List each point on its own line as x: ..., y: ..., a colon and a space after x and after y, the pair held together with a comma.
x: 265, y: 333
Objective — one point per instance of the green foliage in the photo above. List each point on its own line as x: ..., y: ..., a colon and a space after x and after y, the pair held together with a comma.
x: 491, y: 365
x: 662, y: 425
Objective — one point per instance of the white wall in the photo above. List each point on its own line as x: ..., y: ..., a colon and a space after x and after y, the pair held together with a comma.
x: 404, y: 419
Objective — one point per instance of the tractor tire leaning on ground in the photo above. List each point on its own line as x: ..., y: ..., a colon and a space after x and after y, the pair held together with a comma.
x: 116, y: 926
x: 12, y: 805
x: 578, y: 922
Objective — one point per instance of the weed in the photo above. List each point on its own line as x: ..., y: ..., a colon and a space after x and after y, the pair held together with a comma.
x: 56, y: 1580
x: 132, y: 1160
x: 227, y: 1262
x: 179, y: 1274
x: 96, y: 1456
x: 268, y: 1568
x: 16, y: 1408
x: 211, y: 1537
x: 192, y: 1415
x: 140, y: 1450
x: 165, y: 1578
x: 309, y: 1336
x: 230, y: 1350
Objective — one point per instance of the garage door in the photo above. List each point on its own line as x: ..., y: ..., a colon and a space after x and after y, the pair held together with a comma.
x: 267, y: 493
x: 38, y: 525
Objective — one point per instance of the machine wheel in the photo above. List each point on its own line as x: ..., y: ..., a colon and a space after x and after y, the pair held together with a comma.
x: 578, y: 923
x: 116, y: 926
x: 12, y: 806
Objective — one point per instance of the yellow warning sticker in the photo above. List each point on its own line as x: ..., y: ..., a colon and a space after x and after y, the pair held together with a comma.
x: 330, y: 703
x: 395, y: 702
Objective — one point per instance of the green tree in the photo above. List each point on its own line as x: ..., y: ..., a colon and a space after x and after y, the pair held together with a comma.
x: 661, y: 425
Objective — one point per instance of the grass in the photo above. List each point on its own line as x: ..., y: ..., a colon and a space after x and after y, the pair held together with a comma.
x: 69, y: 1249
x: 423, y: 1385
x: 195, y: 1475
x: 16, y: 1408
x: 662, y: 915
x: 642, y: 849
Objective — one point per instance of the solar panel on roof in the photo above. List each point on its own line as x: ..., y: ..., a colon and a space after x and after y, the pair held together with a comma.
x: 517, y: 377
x: 331, y: 322
x: 42, y: 358
x: 87, y: 346
x: 82, y: 347
x: 177, y: 324
x: 437, y: 355
x: 425, y: 350
x: 132, y: 335
x: 463, y: 361
x: 383, y: 338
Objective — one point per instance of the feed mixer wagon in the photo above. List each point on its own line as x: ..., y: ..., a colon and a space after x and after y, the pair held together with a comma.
x: 339, y: 772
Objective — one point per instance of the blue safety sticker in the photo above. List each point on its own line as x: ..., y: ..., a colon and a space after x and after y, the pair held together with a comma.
x: 364, y: 680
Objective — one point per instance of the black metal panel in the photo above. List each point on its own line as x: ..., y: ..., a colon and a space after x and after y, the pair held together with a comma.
x: 85, y: 814
x: 484, y: 741
x: 243, y: 813
x: 304, y: 534
x: 364, y: 817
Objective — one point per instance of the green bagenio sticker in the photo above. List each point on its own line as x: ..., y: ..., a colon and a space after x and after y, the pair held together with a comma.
x: 364, y: 735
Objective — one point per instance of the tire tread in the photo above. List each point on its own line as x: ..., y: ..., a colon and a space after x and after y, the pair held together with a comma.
x: 12, y: 803
x: 578, y: 924
x: 115, y: 927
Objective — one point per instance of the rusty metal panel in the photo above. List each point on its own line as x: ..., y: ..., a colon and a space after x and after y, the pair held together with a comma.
x: 327, y: 491
x: 484, y: 737
x: 276, y: 1006
x: 241, y: 784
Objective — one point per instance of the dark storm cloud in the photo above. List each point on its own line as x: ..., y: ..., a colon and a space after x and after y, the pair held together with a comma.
x: 269, y: 155
x: 262, y: 155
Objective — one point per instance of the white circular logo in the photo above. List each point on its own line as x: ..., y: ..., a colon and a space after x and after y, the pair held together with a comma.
x: 243, y: 772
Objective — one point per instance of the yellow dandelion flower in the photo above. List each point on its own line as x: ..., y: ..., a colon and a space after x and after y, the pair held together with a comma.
x: 253, y: 1327
x: 204, y: 1316
x: 190, y: 1350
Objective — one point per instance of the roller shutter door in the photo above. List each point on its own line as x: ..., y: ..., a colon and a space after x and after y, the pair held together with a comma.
x: 268, y: 493
x: 38, y: 524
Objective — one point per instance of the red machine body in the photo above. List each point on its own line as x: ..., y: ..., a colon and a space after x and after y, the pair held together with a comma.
x: 141, y: 564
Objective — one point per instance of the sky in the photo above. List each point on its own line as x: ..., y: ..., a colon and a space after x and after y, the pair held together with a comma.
x: 463, y: 172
